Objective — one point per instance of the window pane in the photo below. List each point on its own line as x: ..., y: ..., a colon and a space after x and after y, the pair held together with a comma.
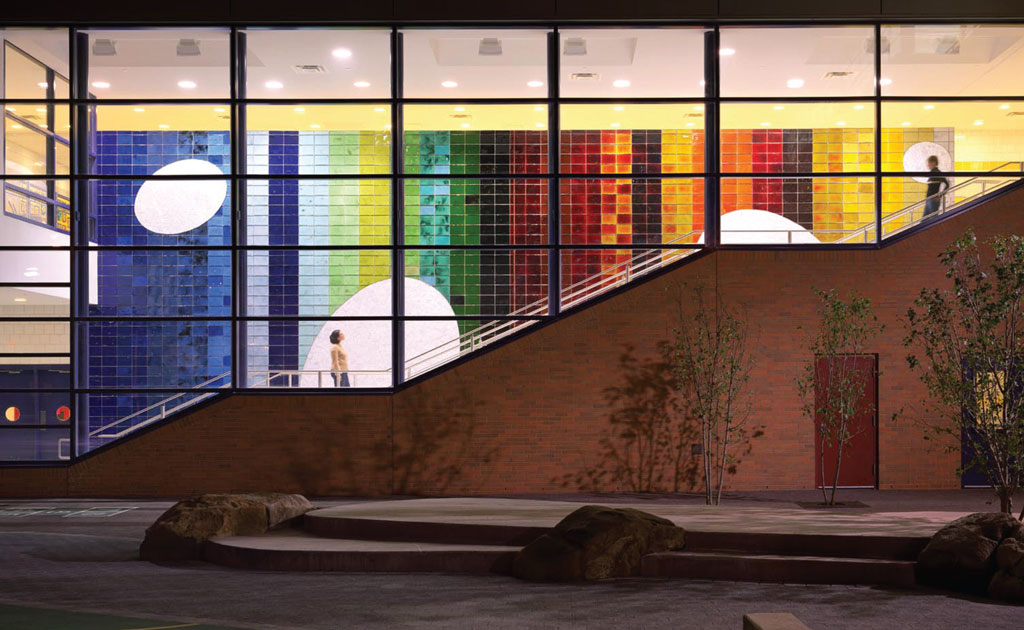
x: 28, y: 302
x: 325, y: 283
x: 34, y: 337
x: 632, y: 62
x: 587, y: 273
x: 114, y: 415
x: 31, y: 57
x: 27, y: 139
x: 632, y: 212
x: 798, y: 210
x: 431, y: 344
x: 798, y: 61
x: 25, y: 373
x: 964, y: 136
x: 165, y: 212
x: 907, y: 201
x: 32, y: 200
x: 175, y: 282
x: 319, y: 139
x: 299, y: 354
x: 797, y: 137
x: 476, y: 282
x: 952, y: 60
x: 49, y: 444
x: 318, y: 212
x: 632, y: 138
x: 476, y: 139
x: 158, y: 63
x: 157, y: 354
x: 318, y: 63
x: 475, y: 63
x: 35, y: 266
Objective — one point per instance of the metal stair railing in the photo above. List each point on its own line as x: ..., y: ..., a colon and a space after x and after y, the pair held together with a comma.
x: 616, y: 275
x: 162, y: 409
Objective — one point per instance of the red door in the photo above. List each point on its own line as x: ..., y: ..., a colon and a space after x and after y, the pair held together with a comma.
x: 858, y: 468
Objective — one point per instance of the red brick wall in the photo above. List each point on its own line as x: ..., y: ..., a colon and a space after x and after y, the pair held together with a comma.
x: 520, y: 418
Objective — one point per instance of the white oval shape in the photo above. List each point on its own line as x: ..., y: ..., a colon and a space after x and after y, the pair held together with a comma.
x: 368, y: 343
x: 179, y: 205
x: 760, y: 227
x: 916, y: 158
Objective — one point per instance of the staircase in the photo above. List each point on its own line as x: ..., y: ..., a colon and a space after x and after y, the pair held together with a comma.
x: 958, y: 197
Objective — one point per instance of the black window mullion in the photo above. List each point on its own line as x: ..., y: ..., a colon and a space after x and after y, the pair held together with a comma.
x: 397, y: 214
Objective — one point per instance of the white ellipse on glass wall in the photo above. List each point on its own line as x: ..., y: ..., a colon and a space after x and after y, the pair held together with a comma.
x: 916, y: 158
x: 368, y: 343
x: 760, y: 227
x: 179, y: 205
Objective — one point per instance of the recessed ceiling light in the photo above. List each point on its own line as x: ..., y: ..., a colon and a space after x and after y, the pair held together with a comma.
x: 41, y: 110
x: 689, y: 124
x: 698, y: 108
x: 299, y: 110
x: 727, y: 52
x: 538, y: 108
x: 779, y: 108
x: 273, y: 85
x: 460, y: 109
x: 540, y: 125
x: 979, y: 122
x: 615, y: 124
x: 1004, y: 106
x: 929, y: 106
x: 858, y: 106
x: 703, y: 83
x: 43, y: 84
x: 341, y: 53
x: 219, y: 110
x: 15, y: 126
x: 619, y: 108
x: 535, y: 84
x: 139, y: 109
x: 362, y: 84
x: 465, y: 125
x: 379, y: 109
x: 314, y: 126
x: 621, y: 83
x: 905, y: 123
x: 795, y: 83
x: 20, y: 300
x: 841, y: 123
x: 100, y: 85
x: 883, y: 82
x: 449, y: 84
x: 164, y: 126
x: 186, y: 84
x: 32, y: 273
x: 766, y: 124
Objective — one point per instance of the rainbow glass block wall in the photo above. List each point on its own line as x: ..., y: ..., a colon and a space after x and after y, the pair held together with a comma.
x: 179, y: 281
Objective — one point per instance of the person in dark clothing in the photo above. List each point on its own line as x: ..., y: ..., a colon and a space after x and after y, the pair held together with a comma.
x: 937, y: 186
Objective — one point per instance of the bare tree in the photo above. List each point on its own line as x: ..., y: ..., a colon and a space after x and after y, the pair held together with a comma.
x: 712, y: 368
x: 971, y: 337
x: 832, y: 385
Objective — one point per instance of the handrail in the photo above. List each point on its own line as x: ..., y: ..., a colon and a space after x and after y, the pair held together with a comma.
x: 276, y: 373
x: 162, y: 405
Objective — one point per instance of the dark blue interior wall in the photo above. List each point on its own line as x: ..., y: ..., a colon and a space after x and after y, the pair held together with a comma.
x: 283, y: 351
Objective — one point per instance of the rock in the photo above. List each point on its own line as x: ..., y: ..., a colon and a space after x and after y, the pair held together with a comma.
x: 1008, y: 582
x: 962, y: 555
x: 1010, y: 557
x: 1007, y: 588
x: 180, y: 532
x: 595, y: 543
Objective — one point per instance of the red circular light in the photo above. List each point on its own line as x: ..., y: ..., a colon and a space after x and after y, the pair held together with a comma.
x: 12, y: 414
x: 63, y: 413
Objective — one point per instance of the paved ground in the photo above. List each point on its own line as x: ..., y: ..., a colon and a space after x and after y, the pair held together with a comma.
x: 87, y: 565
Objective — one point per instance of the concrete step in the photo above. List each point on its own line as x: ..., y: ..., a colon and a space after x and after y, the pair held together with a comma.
x: 827, y: 545
x: 323, y: 523
x: 744, y: 567
x: 292, y: 550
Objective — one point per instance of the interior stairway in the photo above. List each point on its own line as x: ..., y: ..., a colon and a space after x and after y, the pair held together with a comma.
x: 324, y: 541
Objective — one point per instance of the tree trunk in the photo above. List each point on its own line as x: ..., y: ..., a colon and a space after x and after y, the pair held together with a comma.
x: 839, y: 461
x: 1005, y: 500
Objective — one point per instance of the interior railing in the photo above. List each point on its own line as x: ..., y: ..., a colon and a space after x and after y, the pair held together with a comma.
x: 618, y: 275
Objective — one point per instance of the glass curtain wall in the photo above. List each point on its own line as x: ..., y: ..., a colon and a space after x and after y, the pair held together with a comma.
x: 188, y: 210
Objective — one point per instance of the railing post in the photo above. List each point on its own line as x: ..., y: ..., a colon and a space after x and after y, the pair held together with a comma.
x: 163, y: 412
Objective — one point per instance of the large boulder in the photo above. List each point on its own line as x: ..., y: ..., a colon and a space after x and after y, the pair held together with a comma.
x: 1008, y: 582
x: 180, y: 532
x: 594, y: 543
x: 962, y: 555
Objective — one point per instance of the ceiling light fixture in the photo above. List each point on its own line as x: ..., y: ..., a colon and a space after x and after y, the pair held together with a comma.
x: 20, y: 300
x: 341, y: 53
x: 535, y: 84
x: 540, y: 125
x: 100, y: 85
x: 574, y: 47
x: 766, y: 124
x: 449, y: 84
x: 905, y: 123
x: 104, y: 48
x: 219, y: 110
x: 538, y: 108
x: 858, y: 107
x: 379, y: 109
x: 314, y: 126
x: 188, y: 48
x: 465, y: 125
x: 841, y: 123
x: 689, y: 124
x: 273, y: 85
x: 362, y: 84
x: 698, y: 108
x: 1004, y: 106
x: 41, y: 110
x: 460, y: 109
x: 489, y: 47
x: 979, y: 122
x: 727, y: 52
x: 884, y: 82
x: 795, y: 83
x: 621, y: 83
x: 43, y: 84
x: 619, y: 108
x: 15, y: 126
x: 164, y: 126
x: 779, y: 108
x: 299, y: 110
x: 139, y: 110
x: 186, y: 84
x: 929, y: 106
x: 615, y: 125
